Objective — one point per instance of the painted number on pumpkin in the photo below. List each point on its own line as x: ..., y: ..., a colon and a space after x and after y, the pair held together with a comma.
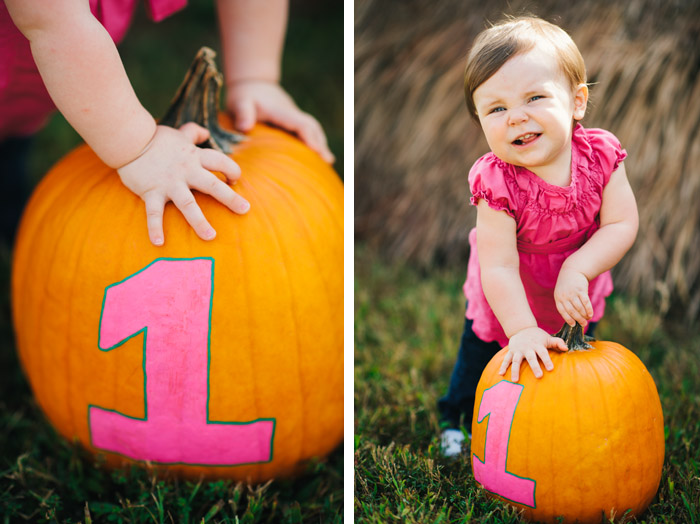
x: 499, y: 403
x: 170, y: 302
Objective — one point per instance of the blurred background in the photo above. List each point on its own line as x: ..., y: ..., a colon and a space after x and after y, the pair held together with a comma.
x: 43, y: 478
x: 415, y: 143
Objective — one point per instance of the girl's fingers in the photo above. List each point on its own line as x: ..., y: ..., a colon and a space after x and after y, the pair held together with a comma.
x: 184, y: 200
x: 312, y: 133
x: 154, y: 217
x: 545, y: 358
x: 194, y: 132
x: 244, y: 114
x: 565, y: 314
x: 581, y: 312
x: 217, y: 161
x: 588, y: 307
x: 506, y: 362
x: 534, y: 364
x: 557, y: 343
x: 515, y: 368
x: 308, y: 129
x: 207, y: 183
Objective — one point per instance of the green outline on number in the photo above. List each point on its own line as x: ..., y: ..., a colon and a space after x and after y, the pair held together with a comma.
x: 145, y: 377
x: 486, y: 435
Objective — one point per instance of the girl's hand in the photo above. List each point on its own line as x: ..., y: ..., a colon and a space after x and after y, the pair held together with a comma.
x: 571, y: 297
x: 251, y: 101
x: 170, y: 167
x: 529, y: 344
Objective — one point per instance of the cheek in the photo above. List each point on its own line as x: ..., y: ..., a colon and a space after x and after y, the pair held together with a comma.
x: 491, y: 129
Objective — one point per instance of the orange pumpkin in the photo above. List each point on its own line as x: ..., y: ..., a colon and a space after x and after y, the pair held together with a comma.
x: 584, y: 442
x: 221, y: 358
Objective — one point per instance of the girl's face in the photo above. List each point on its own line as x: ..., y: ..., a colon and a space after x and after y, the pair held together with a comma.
x: 527, y: 109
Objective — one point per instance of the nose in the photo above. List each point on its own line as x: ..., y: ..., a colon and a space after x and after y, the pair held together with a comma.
x: 517, y: 116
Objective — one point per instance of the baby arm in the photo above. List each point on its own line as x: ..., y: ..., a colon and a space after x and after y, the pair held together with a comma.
x: 84, y: 75
x: 619, y: 222
x: 504, y: 291
x: 252, y: 37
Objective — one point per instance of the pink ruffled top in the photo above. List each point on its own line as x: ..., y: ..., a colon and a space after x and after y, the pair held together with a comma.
x: 25, y: 105
x: 552, y: 222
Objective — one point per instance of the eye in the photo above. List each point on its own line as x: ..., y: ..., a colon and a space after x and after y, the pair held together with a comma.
x: 536, y: 97
x: 497, y: 109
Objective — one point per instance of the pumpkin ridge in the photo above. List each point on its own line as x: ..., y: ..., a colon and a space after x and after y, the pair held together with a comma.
x: 53, y: 263
x: 608, y: 422
x: 305, y: 179
x: 103, y: 185
x: 274, y: 233
x: 575, y: 393
x: 277, y: 184
x: 311, y: 241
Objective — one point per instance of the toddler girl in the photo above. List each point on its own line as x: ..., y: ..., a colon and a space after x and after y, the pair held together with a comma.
x: 63, y: 52
x: 555, y: 210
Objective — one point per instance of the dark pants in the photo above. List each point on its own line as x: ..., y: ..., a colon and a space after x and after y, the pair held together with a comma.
x: 457, y: 407
x: 15, y: 186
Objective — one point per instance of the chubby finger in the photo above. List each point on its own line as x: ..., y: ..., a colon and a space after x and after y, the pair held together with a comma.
x: 588, y: 306
x: 557, y: 343
x: 155, y: 205
x: 561, y: 308
x: 534, y: 364
x: 194, y: 132
x: 515, y: 367
x: 543, y: 354
x: 312, y: 133
x: 206, y: 182
x: 506, y: 362
x: 308, y: 129
x: 580, y: 313
x: 244, y: 114
x: 184, y: 200
x: 218, y: 161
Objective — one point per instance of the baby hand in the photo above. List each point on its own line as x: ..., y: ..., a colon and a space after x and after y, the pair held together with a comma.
x: 571, y: 297
x: 529, y: 344
x: 251, y: 101
x: 170, y: 168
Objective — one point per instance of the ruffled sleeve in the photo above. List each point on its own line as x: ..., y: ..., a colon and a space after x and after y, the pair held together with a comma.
x: 607, y: 151
x: 487, y: 181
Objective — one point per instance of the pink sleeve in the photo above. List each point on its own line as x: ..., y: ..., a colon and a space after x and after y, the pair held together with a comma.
x: 487, y: 181
x: 607, y: 151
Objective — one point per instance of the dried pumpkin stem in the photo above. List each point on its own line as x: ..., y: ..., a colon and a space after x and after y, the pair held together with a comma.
x: 197, y: 100
x: 574, y: 337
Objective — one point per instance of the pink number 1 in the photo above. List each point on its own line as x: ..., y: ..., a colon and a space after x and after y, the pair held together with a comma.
x: 499, y: 402
x: 170, y: 302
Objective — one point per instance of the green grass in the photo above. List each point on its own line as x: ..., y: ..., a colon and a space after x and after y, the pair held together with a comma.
x: 407, y: 329
x: 43, y: 478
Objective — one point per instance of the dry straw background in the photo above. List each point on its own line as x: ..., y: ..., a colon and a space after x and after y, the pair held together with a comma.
x: 414, y: 141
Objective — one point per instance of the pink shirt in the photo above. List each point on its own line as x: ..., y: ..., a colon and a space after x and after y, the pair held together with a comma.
x: 552, y: 222
x: 25, y: 105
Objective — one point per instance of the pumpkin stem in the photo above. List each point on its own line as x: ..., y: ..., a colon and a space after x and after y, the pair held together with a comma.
x: 574, y: 337
x: 197, y: 100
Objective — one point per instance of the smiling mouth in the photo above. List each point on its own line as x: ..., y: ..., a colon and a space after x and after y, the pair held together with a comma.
x: 526, y: 139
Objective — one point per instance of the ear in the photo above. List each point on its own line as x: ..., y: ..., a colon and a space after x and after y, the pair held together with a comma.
x: 580, y: 101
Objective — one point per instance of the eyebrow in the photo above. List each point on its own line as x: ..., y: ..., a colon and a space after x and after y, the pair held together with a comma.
x: 532, y: 92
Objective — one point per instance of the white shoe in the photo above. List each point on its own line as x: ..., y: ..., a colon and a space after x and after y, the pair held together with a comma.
x: 451, y: 442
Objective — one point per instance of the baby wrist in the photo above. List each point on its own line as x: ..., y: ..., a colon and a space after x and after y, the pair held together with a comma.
x: 143, y: 151
x: 511, y: 333
x: 251, y: 80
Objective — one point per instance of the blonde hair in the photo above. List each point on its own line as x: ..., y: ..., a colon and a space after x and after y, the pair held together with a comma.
x: 499, y: 43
